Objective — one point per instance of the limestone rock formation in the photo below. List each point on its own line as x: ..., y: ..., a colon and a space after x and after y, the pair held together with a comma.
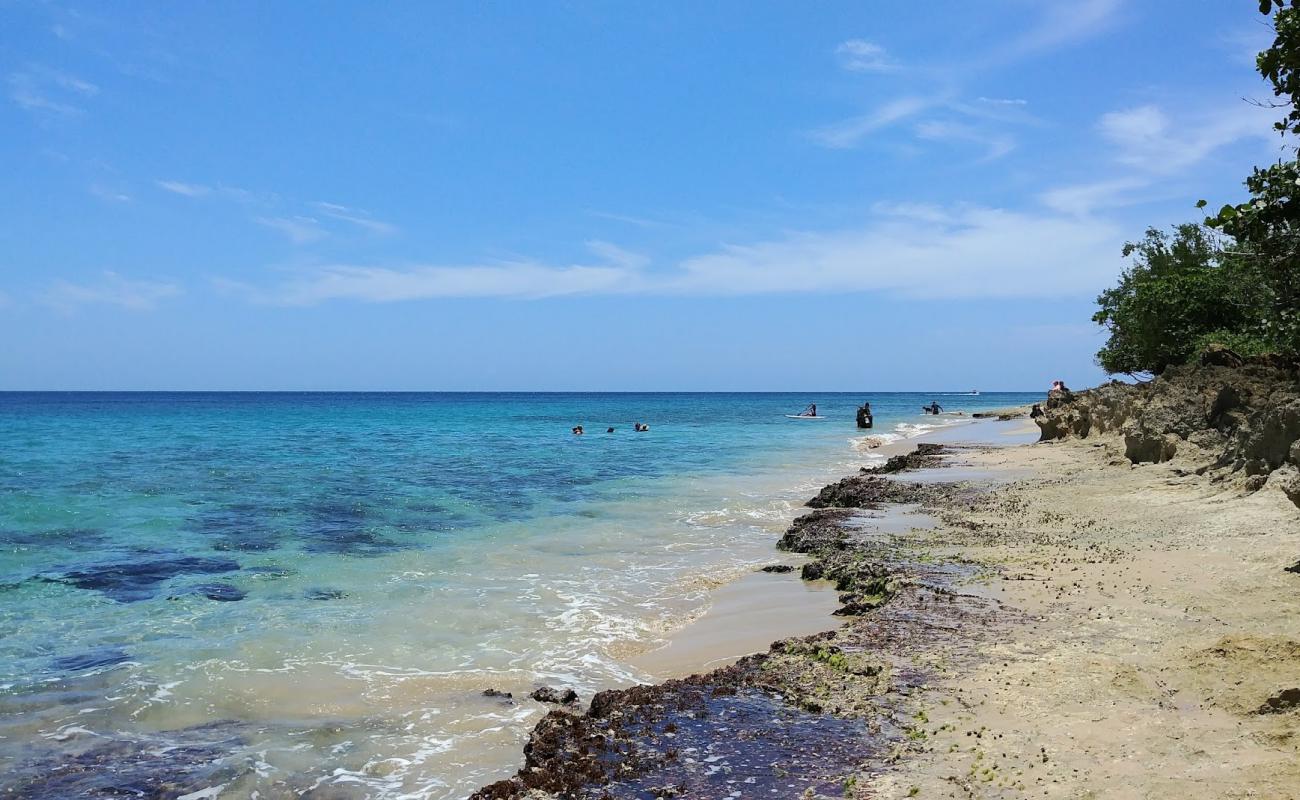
x: 1230, y: 413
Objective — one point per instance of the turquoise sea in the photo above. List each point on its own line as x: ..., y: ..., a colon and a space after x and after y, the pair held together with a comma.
x: 273, y: 595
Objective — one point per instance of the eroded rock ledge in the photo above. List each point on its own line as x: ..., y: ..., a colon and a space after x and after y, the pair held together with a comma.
x: 1239, y: 417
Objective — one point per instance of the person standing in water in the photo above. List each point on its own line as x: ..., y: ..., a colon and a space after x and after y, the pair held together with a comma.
x: 864, y: 415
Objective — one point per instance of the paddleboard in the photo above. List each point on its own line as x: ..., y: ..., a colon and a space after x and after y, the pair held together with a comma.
x: 801, y: 416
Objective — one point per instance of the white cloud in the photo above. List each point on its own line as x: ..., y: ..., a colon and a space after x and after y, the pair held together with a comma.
x: 107, y: 193
x: 298, y: 229
x: 185, y: 189
x: 356, y: 217
x: 995, y: 145
x: 1003, y: 101
x: 958, y: 252
x: 1085, y: 198
x: 915, y: 251
x: 859, y: 55
x: 640, y: 222
x: 1145, y: 137
x: 41, y: 89
x: 852, y: 131
x: 1063, y: 23
x: 113, y: 290
x: 1155, y: 150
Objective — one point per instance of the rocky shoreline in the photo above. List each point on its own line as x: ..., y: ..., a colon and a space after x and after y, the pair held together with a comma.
x: 813, y: 716
x: 1054, y: 620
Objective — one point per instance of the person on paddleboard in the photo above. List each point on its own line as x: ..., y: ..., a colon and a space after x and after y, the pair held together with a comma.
x: 810, y: 411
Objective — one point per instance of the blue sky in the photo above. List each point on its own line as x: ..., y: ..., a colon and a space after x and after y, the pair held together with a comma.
x: 598, y: 195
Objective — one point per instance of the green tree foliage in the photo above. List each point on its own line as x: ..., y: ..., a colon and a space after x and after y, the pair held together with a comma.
x: 1266, y: 227
x: 1280, y: 63
x: 1181, y: 293
x: 1186, y: 291
x: 1266, y: 230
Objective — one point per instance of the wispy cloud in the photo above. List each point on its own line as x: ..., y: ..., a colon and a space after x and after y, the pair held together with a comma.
x: 108, y: 193
x: 1085, y: 198
x: 957, y: 252
x: 915, y: 251
x: 860, y: 55
x: 113, y: 290
x: 1144, y: 137
x: 357, y: 217
x: 40, y: 89
x: 298, y: 229
x: 184, y: 189
x: 1061, y: 24
x: 994, y: 145
x: 851, y: 132
x: 1002, y: 101
x: 1154, y: 149
x: 639, y: 222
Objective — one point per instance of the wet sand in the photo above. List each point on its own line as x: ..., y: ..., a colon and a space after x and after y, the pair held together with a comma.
x: 745, y: 617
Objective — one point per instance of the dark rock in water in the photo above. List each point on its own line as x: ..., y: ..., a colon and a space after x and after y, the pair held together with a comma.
x: 1285, y: 700
x: 817, y: 531
x: 344, y: 528
x: 325, y: 594
x: 925, y: 456
x: 170, y: 765
x: 63, y: 537
x: 92, y: 659
x: 1293, y: 568
x: 564, y: 697
x: 779, y: 568
x: 690, y: 738
x: 132, y: 581
x: 220, y: 591
x: 506, y: 698
x: 240, y: 528
x: 870, y: 491
x: 863, y: 582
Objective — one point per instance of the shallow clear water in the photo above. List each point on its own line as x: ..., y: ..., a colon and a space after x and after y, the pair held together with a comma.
x: 305, y: 594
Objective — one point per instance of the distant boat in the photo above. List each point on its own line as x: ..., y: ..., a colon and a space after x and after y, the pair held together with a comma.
x: 974, y: 391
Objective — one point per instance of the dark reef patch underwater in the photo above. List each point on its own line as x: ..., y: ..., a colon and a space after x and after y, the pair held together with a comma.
x: 136, y: 580
x: 162, y: 767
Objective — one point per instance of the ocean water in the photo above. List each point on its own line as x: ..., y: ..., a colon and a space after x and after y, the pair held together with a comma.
x: 304, y: 595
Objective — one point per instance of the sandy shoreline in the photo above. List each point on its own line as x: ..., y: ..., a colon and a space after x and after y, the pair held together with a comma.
x: 1044, y: 620
x: 746, y: 615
